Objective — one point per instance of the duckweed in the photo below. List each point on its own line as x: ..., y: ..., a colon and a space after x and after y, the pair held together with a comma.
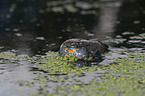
x: 25, y: 83
x: 123, y: 78
x: 55, y: 65
x: 7, y: 55
x: 12, y: 56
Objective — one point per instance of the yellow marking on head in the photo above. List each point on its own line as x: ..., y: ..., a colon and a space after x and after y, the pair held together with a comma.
x: 66, y: 49
x: 67, y: 56
x: 72, y: 51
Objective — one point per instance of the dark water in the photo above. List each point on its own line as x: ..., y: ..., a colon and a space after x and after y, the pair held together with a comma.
x: 34, y: 27
x: 131, y: 18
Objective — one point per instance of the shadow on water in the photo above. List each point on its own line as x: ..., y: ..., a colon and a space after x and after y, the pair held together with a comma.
x: 82, y: 63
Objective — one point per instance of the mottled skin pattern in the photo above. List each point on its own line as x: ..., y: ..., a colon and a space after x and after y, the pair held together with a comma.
x: 92, y: 47
x: 73, y: 52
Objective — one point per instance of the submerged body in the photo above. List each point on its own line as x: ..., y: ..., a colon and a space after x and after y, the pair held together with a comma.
x: 81, y: 48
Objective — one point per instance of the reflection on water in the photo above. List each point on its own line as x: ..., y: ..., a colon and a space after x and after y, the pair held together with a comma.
x: 107, y: 19
x: 82, y: 63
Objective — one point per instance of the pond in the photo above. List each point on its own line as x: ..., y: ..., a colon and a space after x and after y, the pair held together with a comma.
x: 31, y: 28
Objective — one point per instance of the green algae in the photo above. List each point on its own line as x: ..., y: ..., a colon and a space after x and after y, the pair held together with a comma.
x: 7, y: 55
x: 123, y: 77
x: 13, y: 56
x: 25, y: 83
x: 56, y: 65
